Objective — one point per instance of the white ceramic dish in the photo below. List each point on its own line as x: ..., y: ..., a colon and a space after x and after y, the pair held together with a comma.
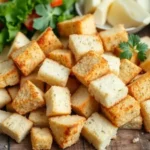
x: 79, y: 9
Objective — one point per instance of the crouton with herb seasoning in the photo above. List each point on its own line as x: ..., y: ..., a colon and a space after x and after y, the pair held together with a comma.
x: 123, y: 112
x: 48, y: 41
x: 16, y: 126
x: 4, y: 98
x: 90, y: 67
x: 39, y: 118
x: 98, y: 131
x: 111, y: 38
x: 62, y: 56
x: 19, y: 41
x: 78, y: 25
x: 82, y: 103
x: 58, y: 101
x: 128, y: 71
x: 9, y: 74
x: 53, y: 73
x: 108, y: 90
x: 28, y: 57
x: 66, y: 129
x: 134, y: 124
x: 139, y: 89
x: 41, y: 138
x: 82, y: 44
x: 28, y: 98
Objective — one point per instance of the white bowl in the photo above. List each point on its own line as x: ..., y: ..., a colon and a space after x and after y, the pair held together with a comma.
x: 79, y: 9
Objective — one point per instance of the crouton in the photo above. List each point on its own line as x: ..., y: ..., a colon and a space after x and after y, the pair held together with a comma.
x: 58, y: 104
x: 111, y: 38
x: 28, y: 98
x: 53, y: 73
x: 82, y: 103
x: 78, y: 25
x: 123, y: 112
x: 139, y: 89
x: 34, y: 79
x: 145, y: 110
x: 113, y: 62
x: 41, y: 138
x: 9, y: 74
x: 3, y: 116
x: 4, y: 53
x: 90, y: 67
x: 108, y: 90
x: 134, y: 124
x: 16, y: 126
x: 128, y: 71
x: 48, y: 41
x: 39, y: 118
x: 66, y: 129
x: 138, y: 76
x: 82, y: 44
x: 19, y: 41
x: 4, y: 98
x: 99, y: 131
x: 28, y: 57
x: 63, y: 56
x: 64, y: 41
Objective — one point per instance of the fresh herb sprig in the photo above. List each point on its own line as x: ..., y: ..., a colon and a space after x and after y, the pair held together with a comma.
x: 133, y: 45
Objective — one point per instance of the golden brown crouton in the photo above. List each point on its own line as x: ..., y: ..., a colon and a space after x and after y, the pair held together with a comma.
x: 139, y: 89
x: 9, y: 74
x: 28, y: 57
x: 62, y: 56
x: 66, y: 129
x: 82, y: 103
x: 48, y: 41
x: 28, y: 98
x: 41, y: 139
x: 78, y: 25
x: 111, y: 38
x: 123, y: 112
x: 128, y: 71
x: 90, y: 67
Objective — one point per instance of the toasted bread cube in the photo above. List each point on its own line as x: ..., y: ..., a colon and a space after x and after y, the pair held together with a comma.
x: 139, y: 89
x: 16, y: 126
x: 82, y: 103
x: 123, y: 112
x: 48, y: 41
x: 134, y: 124
x: 58, y: 104
x: 9, y: 74
x: 78, y: 25
x: 145, y: 110
x: 41, y: 138
x: 111, y: 38
x: 4, y: 98
x: 39, y: 118
x: 99, y: 131
x: 3, y: 116
x: 66, y: 129
x: 34, y: 79
x: 28, y: 57
x: 19, y: 41
x: 128, y: 71
x: 28, y: 98
x: 63, y: 56
x: 82, y: 44
x: 90, y: 67
x: 4, y: 53
x: 53, y: 73
x: 113, y: 62
x: 108, y: 90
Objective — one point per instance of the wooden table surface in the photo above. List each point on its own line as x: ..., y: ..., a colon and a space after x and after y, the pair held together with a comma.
x: 123, y: 141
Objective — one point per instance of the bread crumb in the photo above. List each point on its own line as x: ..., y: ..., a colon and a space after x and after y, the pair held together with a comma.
x: 135, y: 140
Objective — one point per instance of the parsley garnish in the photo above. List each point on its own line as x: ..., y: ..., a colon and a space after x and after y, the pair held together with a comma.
x: 133, y: 45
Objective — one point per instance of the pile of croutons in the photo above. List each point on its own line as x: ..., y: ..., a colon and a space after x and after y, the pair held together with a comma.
x: 61, y: 88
